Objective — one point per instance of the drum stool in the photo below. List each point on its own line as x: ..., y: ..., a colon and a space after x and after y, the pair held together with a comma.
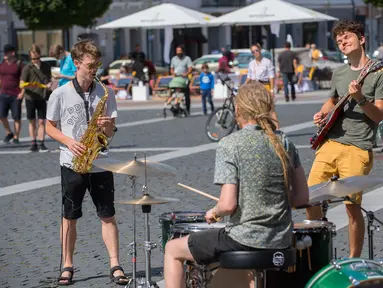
x: 259, y: 260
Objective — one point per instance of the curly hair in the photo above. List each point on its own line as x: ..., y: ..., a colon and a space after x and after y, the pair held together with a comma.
x: 348, y: 26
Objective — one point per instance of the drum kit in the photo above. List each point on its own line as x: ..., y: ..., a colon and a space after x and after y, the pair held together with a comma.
x: 136, y: 169
x: 316, y: 265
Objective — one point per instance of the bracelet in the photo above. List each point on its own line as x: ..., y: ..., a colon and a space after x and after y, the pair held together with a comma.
x: 215, y: 215
x: 362, y: 102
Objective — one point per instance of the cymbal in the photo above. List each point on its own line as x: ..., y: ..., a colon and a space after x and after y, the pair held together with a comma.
x: 146, y: 199
x: 135, y: 168
x: 341, y: 187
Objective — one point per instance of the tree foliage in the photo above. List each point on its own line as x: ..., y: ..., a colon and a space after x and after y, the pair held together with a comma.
x: 53, y: 14
x: 377, y: 3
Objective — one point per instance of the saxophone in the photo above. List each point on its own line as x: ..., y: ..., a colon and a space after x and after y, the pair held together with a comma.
x: 94, y: 139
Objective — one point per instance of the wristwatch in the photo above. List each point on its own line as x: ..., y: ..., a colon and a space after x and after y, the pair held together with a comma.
x: 362, y: 102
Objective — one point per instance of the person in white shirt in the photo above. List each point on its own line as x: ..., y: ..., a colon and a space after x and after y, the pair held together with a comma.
x: 261, y: 69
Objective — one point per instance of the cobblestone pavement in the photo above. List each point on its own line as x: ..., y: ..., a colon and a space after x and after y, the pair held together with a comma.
x: 30, y: 221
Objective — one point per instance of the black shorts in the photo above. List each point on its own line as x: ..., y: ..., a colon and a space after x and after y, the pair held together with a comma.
x: 9, y: 102
x: 33, y: 105
x: 207, y: 245
x: 74, y: 185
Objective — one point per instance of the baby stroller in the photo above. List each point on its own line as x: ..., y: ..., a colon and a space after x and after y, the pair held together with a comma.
x: 175, y: 103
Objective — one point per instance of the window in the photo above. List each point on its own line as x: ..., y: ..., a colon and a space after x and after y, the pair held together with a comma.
x: 44, y: 39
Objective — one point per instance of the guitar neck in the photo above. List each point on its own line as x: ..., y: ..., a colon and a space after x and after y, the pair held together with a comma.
x: 342, y: 101
x: 360, y: 80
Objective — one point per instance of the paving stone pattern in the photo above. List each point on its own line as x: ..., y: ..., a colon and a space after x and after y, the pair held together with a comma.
x: 30, y: 221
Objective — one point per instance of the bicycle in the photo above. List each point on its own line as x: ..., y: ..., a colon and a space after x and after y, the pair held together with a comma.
x: 222, y: 118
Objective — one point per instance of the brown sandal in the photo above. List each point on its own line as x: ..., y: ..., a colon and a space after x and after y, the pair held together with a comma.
x: 68, y: 279
x: 120, y: 280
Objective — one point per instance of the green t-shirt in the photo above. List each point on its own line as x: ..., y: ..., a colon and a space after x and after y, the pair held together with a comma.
x: 353, y: 127
x: 263, y: 216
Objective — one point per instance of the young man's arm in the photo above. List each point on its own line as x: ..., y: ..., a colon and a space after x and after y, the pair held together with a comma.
x: 74, y: 146
x: 374, y: 111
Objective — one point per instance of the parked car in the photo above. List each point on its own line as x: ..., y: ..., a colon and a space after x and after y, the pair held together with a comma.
x: 210, y: 59
x: 335, y: 56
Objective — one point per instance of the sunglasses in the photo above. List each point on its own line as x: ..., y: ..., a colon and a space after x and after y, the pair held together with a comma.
x: 253, y: 51
x: 92, y: 66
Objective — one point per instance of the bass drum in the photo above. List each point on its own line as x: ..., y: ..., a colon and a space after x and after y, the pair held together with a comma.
x: 355, y: 272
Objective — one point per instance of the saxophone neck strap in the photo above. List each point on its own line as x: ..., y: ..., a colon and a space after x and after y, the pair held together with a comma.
x: 80, y: 92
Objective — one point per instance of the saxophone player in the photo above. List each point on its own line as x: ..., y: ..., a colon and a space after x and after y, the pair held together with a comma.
x: 70, y: 109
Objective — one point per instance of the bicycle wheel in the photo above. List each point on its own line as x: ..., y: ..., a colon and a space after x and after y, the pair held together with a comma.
x: 220, y: 123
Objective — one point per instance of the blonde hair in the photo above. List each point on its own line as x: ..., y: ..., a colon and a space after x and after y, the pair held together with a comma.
x: 85, y: 47
x: 35, y: 49
x: 258, y: 46
x: 56, y: 50
x: 254, y: 103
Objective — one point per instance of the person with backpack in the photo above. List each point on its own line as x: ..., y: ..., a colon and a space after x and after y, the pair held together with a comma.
x: 10, y: 94
x: 35, y: 84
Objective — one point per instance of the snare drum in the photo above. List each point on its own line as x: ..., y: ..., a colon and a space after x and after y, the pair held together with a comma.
x: 183, y: 229
x: 315, y: 248
x: 209, y: 276
x: 167, y: 220
x: 353, y: 272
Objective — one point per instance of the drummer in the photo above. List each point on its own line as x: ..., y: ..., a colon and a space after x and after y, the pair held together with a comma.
x: 255, y: 168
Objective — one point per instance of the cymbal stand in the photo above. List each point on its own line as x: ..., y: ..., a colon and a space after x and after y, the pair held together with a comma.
x: 370, y: 227
x: 325, y: 205
x: 146, y: 209
x: 133, y: 246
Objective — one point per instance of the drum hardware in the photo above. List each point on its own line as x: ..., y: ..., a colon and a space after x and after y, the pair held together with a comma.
x: 325, y: 205
x: 135, y: 169
x: 133, y: 245
x: 335, y: 255
x: 370, y: 228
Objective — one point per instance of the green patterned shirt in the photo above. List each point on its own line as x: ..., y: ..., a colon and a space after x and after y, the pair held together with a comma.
x: 263, y: 216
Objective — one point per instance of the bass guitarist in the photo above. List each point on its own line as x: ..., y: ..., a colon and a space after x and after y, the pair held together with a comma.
x: 347, y: 149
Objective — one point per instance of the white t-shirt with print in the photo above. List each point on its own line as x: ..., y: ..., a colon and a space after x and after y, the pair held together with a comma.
x: 66, y: 107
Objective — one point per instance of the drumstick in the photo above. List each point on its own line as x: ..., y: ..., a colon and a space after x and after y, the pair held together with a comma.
x: 199, y: 192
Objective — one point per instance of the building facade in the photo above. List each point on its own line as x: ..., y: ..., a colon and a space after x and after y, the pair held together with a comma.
x: 199, y: 41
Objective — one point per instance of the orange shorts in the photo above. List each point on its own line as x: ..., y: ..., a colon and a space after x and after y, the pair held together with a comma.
x: 334, y: 158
